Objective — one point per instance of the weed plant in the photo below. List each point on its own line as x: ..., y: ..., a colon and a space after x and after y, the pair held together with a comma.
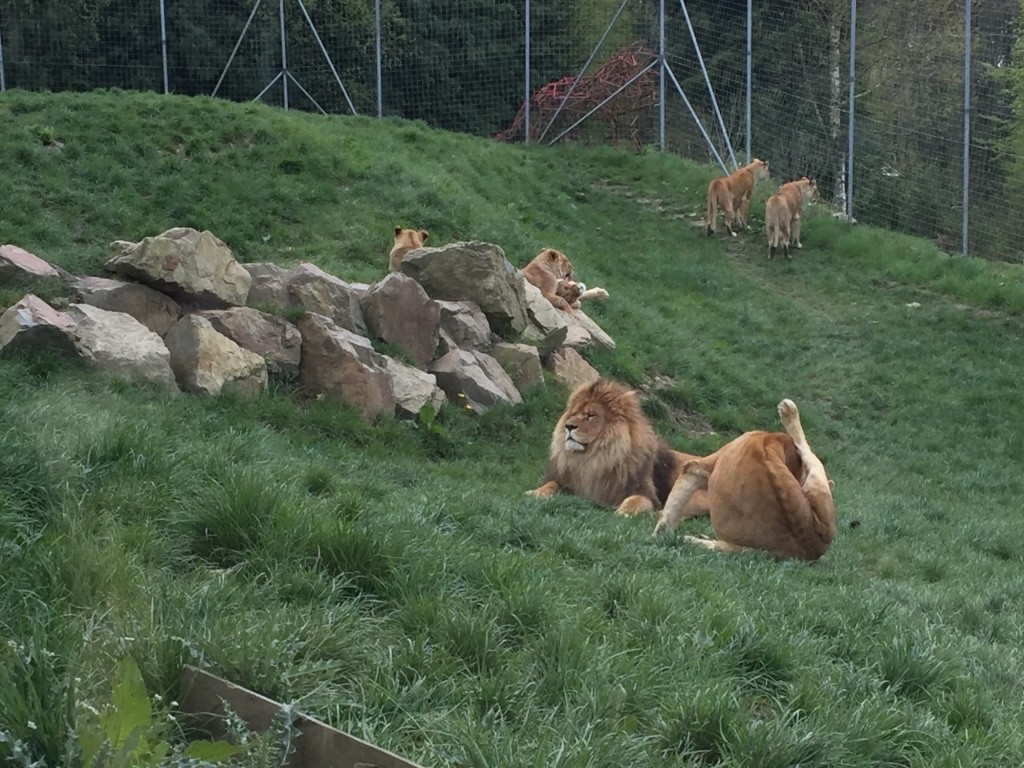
x: 394, y: 580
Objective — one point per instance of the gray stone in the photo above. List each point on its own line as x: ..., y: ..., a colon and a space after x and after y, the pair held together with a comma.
x: 207, y: 362
x: 477, y: 272
x: 316, y: 291
x: 271, y: 337
x: 521, y: 362
x: 413, y: 389
x: 193, y: 267
x: 119, y: 344
x: 398, y: 311
x: 475, y: 379
x: 32, y: 324
x: 153, y: 309
x: 569, y: 369
x: 337, y: 363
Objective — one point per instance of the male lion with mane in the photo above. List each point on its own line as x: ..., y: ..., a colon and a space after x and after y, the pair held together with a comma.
x: 766, y: 491
x: 604, y: 449
x: 732, y: 194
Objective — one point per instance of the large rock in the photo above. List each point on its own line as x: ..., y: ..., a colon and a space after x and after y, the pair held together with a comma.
x: 464, y: 325
x: 32, y: 324
x: 119, y: 344
x: 569, y: 369
x: 155, y: 310
x: 207, y: 362
x: 194, y: 267
x: 338, y: 363
x: 477, y: 272
x: 269, y: 285
x: 521, y: 362
x: 542, y: 313
x: 398, y: 311
x: 584, y: 332
x: 413, y: 388
x: 271, y: 337
x: 318, y: 292
x: 548, y: 328
x: 17, y: 263
x: 474, y: 378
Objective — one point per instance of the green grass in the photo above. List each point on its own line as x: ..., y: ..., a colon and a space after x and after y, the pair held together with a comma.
x: 393, y: 579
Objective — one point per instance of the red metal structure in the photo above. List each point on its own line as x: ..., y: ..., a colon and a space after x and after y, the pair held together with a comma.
x: 619, y: 93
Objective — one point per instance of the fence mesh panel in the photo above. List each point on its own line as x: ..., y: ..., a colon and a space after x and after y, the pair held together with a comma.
x: 595, y: 76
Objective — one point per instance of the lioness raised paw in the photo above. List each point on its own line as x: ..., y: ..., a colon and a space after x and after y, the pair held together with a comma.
x: 790, y: 417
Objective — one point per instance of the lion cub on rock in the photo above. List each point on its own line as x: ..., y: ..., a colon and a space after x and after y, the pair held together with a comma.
x: 766, y: 491
x: 405, y: 240
x: 604, y: 449
x: 547, y: 268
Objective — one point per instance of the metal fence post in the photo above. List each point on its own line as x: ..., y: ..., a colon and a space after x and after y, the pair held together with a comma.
x: 750, y: 54
x: 661, y: 75
x: 163, y: 46
x: 849, y: 132
x: 3, y: 84
x: 284, y: 56
x: 967, y: 125
x: 380, y: 86
x: 526, y: 77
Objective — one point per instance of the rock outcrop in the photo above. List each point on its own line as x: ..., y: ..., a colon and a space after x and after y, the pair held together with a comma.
x: 184, y: 314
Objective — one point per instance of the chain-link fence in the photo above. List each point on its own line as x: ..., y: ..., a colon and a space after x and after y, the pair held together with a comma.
x: 716, y: 80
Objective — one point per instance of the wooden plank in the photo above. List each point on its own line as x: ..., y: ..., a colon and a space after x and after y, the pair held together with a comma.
x: 317, y: 745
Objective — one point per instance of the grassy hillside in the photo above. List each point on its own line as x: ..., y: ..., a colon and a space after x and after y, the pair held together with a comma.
x: 394, y: 580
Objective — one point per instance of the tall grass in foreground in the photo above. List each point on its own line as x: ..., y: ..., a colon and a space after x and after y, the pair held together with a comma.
x: 395, y: 581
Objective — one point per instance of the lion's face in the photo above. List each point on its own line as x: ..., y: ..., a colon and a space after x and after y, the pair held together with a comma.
x: 598, y: 413
x: 761, y: 171
x: 555, y: 263
x: 584, y: 424
x: 810, y: 191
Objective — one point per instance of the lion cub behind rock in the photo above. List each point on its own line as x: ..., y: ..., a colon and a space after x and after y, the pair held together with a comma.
x: 604, y: 449
x: 405, y: 240
x: 547, y: 268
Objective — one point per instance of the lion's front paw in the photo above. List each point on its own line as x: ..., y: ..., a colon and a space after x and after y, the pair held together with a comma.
x: 788, y: 411
x: 545, y: 491
x: 701, y: 541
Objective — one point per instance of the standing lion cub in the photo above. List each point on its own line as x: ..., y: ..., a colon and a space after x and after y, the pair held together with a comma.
x: 604, y: 449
